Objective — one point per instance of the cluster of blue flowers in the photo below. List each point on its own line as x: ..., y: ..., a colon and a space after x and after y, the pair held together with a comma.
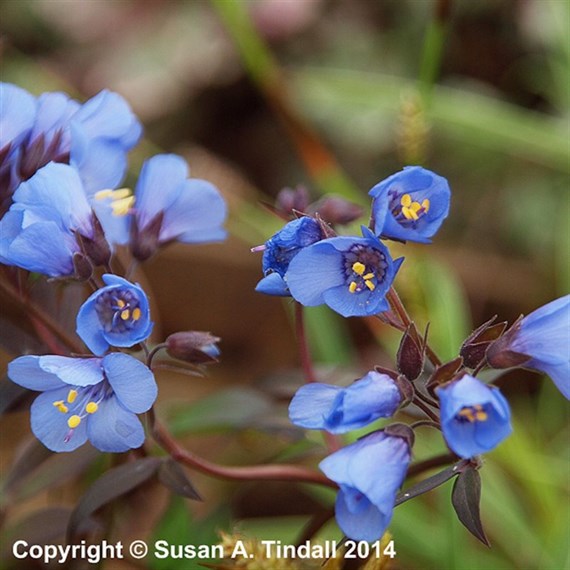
x: 352, y: 275
x: 61, y: 164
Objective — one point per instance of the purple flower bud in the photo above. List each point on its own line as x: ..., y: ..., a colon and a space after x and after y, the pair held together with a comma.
x: 195, y: 347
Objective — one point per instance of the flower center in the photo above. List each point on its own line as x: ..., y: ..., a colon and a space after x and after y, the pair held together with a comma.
x: 405, y: 210
x: 118, y: 310
x: 364, y: 268
x: 121, y: 200
x: 79, y: 404
x: 472, y: 414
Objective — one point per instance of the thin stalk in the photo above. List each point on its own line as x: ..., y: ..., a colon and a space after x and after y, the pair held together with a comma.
x: 431, y: 463
x: 275, y: 472
x: 427, y: 411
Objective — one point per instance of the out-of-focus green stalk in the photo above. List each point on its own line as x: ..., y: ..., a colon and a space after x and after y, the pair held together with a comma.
x: 433, y: 49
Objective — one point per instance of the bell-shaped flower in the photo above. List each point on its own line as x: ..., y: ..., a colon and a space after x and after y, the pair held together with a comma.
x: 475, y: 417
x: 410, y: 205
x: 539, y: 341
x: 369, y: 473
x: 168, y: 206
x: 281, y: 248
x: 115, y: 315
x: 349, y: 274
x: 94, y: 136
x: 339, y: 410
x: 82, y: 399
x: 51, y: 224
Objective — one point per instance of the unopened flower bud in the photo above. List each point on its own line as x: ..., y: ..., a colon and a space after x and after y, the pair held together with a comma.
x: 82, y: 268
x: 196, y: 347
x: 146, y: 241
x: 336, y: 210
x: 96, y: 248
x: 291, y: 200
x: 411, y: 354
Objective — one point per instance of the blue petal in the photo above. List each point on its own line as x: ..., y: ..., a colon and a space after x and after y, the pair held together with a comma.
x: 273, y: 284
x: 43, y: 248
x: 368, y: 524
x: 314, y: 270
x: 73, y: 371
x: 373, y: 396
x: 114, y: 429
x: 53, y: 114
x: 196, y: 216
x: 467, y: 391
x: 26, y: 372
x: 17, y: 112
x: 89, y: 327
x: 359, y: 304
x: 160, y: 182
x: 132, y: 381
x: 50, y: 425
x: 10, y: 227
x: 312, y: 405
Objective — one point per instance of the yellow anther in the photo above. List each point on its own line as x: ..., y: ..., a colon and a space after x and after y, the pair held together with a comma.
x: 71, y: 396
x: 136, y: 314
x: 61, y: 406
x: 425, y: 205
x: 409, y: 214
x: 352, y: 287
x: 125, y: 314
x: 123, y: 206
x: 474, y: 413
x: 481, y: 416
x: 91, y: 407
x: 370, y: 285
x: 358, y: 268
x: 416, y: 207
x: 120, y: 303
x: 73, y: 421
x: 102, y: 194
x: 467, y: 413
x: 406, y: 201
x: 121, y: 193
x: 368, y: 276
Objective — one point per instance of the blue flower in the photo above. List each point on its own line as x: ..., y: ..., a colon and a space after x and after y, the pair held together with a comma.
x: 168, y: 206
x: 281, y: 248
x: 369, y: 474
x: 410, y: 205
x: 351, y: 275
x: 339, y: 410
x: 475, y: 418
x: 93, y: 399
x: 539, y: 341
x: 49, y: 223
x: 94, y: 136
x: 115, y: 315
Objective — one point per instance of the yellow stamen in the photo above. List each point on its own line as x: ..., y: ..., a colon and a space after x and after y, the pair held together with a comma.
x: 409, y: 214
x: 370, y: 285
x: 481, y: 416
x: 406, y: 201
x: 73, y: 421
x: 125, y: 314
x: 358, y: 268
x: 102, y: 194
x: 368, y: 276
x: 120, y: 303
x: 416, y: 207
x: 121, y: 193
x: 61, y: 406
x: 473, y: 414
x: 122, y: 206
x: 352, y: 287
x: 136, y: 314
x: 425, y: 205
x: 91, y: 407
x: 71, y: 396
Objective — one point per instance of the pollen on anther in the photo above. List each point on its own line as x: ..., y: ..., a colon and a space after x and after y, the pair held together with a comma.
x: 120, y: 303
x: 358, y: 268
x: 91, y: 407
x: 426, y: 205
x: 406, y: 201
x: 125, y: 314
x: 136, y: 314
x: 370, y: 285
x: 73, y: 421
x: 368, y: 276
x: 352, y: 287
x: 71, y: 396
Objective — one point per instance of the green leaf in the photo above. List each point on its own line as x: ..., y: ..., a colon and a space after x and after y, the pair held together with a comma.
x: 465, y: 497
x: 112, y: 485
x: 230, y: 409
